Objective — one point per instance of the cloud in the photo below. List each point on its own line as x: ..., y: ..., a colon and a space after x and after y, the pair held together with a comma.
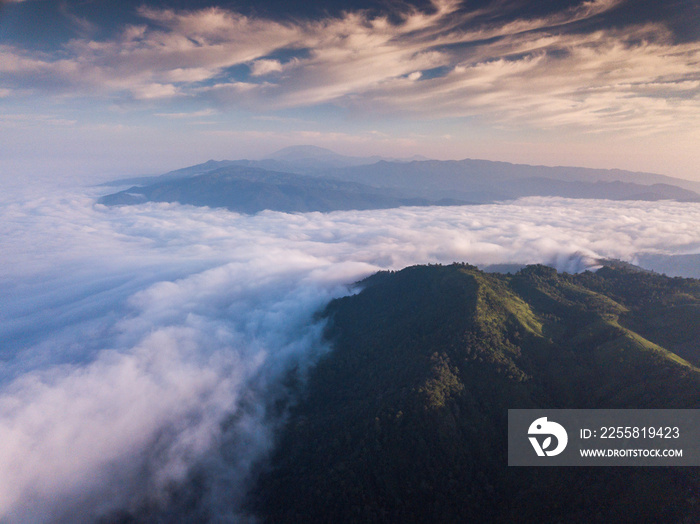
x: 150, y: 91
x: 193, y: 114
x: 532, y: 72
x: 81, y: 25
x: 143, y: 345
x: 34, y: 119
x: 263, y: 67
x: 632, y: 79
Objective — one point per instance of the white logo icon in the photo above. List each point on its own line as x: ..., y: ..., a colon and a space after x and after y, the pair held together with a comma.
x: 542, y: 426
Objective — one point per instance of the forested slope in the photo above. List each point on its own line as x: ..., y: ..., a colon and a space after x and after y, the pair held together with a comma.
x: 406, y: 419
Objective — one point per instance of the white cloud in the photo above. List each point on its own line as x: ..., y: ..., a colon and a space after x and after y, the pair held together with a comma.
x: 193, y: 114
x: 192, y: 74
x: 150, y: 91
x: 34, y: 119
x: 264, y: 67
x: 527, y: 72
x: 131, y: 333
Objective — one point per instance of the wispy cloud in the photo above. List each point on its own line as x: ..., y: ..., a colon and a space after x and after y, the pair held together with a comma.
x: 81, y: 25
x: 33, y: 120
x: 528, y: 71
x: 614, y: 79
x: 192, y: 114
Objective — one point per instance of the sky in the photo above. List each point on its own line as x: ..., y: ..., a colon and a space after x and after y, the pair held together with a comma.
x: 143, y: 345
x: 98, y: 89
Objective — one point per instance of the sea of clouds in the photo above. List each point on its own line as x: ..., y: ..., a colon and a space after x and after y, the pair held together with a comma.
x: 143, y: 348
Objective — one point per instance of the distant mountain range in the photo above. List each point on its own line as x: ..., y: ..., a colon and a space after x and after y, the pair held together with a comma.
x: 308, y: 178
x: 252, y: 189
x: 406, y: 419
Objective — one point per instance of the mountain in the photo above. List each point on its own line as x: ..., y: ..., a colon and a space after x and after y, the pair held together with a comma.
x: 315, y: 158
x: 178, y: 174
x: 687, y: 265
x: 405, y: 420
x: 301, y: 160
x: 390, y: 183
x: 250, y: 190
x: 485, y: 181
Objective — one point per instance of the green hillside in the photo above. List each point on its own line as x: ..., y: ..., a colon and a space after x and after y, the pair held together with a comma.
x: 406, y: 419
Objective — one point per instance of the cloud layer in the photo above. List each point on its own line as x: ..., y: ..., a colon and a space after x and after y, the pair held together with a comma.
x: 548, y: 71
x: 143, y: 344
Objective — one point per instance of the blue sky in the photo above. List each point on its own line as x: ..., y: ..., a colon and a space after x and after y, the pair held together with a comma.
x: 103, y: 88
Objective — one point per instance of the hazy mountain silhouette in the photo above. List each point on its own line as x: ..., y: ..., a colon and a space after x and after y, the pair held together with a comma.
x: 483, y: 181
x: 250, y: 190
x: 385, y: 183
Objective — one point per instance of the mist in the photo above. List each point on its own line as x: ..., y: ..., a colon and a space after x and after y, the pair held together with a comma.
x: 146, y: 346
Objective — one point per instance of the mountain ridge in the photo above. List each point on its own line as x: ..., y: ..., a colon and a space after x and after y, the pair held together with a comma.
x: 405, y: 420
x: 282, y: 160
x: 251, y: 190
x: 292, y: 180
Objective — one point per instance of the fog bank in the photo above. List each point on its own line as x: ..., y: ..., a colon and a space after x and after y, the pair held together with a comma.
x: 139, y: 342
